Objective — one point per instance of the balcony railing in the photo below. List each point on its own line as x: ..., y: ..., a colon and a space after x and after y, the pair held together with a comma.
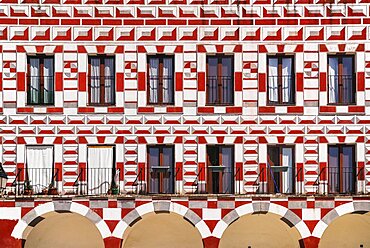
x: 102, y: 95
x: 281, y: 89
x: 345, y: 91
x: 36, y: 181
x: 161, y: 90
x: 220, y: 90
x: 40, y: 95
x: 98, y: 181
x: 219, y: 180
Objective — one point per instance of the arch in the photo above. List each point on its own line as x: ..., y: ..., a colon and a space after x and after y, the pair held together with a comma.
x: 36, y: 215
x: 160, y: 230
x: 347, y: 208
x: 349, y: 230
x: 159, y: 207
x: 287, y: 216
x: 65, y: 229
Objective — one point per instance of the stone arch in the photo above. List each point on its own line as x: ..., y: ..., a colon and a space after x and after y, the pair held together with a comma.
x: 347, y: 208
x: 25, y: 225
x: 286, y: 215
x: 159, y: 207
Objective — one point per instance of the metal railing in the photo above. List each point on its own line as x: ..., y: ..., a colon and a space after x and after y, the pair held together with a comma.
x: 220, y: 90
x: 345, y: 93
x: 337, y: 180
x: 161, y: 93
x: 35, y: 181
x: 98, y: 181
x: 96, y: 91
x: 283, y: 87
x: 220, y: 180
x: 195, y: 184
x: 40, y: 95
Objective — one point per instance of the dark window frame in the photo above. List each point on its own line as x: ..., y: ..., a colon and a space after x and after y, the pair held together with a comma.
x: 210, y: 187
x: 271, y: 188
x: 280, y: 102
x: 161, y: 176
x: 341, y: 172
x: 220, y: 102
x: 340, y: 79
x: 161, y: 57
x: 102, y: 83
x: 41, y: 99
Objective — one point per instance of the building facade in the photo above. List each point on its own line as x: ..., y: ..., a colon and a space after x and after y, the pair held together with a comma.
x: 226, y: 123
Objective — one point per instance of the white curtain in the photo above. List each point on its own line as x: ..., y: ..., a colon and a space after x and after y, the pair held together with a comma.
x: 95, y: 80
x: 287, y: 175
x: 39, y: 164
x: 109, y: 82
x: 167, y: 80
x: 228, y: 174
x: 48, y: 80
x: 273, y: 80
x: 333, y: 80
x: 287, y: 79
x: 34, y: 80
x: 100, y: 166
x: 153, y: 80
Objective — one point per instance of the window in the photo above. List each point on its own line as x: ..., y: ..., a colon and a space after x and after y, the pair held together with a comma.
x: 220, y: 80
x: 161, y: 169
x: 101, y: 80
x: 39, y: 168
x: 342, y: 169
x: 161, y: 79
x: 342, y: 83
x: 40, y: 80
x: 101, y: 174
x: 280, y: 169
x: 220, y: 169
x: 281, y: 84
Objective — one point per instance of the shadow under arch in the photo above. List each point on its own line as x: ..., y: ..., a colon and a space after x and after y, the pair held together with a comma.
x: 158, y: 208
x: 269, y: 211
x: 351, y: 219
x: 25, y: 225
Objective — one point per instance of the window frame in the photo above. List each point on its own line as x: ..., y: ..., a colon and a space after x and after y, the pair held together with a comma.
x: 161, y: 57
x: 340, y: 167
x: 148, y: 169
x: 102, y: 102
x: 41, y: 99
x: 219, y: 74
x: 280, y: 102
x: 340, y: 71
x: 293, y: 174
x: 209, y: 172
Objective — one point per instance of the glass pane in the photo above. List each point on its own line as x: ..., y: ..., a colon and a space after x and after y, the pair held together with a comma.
x: 333, y: 169
x: 153, y: 80
x: 95, y: 80
x: 226, y: 67
x: 287, y: 82
x: 153, y: 156
x: 287, y: 173
x: 347, y: 65
x: 212, y: 80
x: 34, y: 90
x: 348, y: 170
x: 109, y: 80
x: 48, y: 80
x: 154, y: 174
x: 347, y: 80
x: 273, y: 89
x: 228, y: 172
x: 168, y: 176
x: 167, y: 80
x: 226, y: 81
x: 333, y: 80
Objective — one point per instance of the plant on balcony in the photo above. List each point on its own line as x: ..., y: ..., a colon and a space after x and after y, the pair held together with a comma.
x: 28, y: 190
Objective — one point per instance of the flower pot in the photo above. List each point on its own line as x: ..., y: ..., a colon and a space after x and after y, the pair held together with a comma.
x: 115, y: 191
x: 28, y: 192
x: 53, y: 191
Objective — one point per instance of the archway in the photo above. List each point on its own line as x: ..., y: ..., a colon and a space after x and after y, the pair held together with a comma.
x: 349, y: 230
x: 59, y: 230
x: 260, y: 230
x: 158, y: 230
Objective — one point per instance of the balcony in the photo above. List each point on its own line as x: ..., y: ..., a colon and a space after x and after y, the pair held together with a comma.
x: 40, y: 95
x: 220, y: 90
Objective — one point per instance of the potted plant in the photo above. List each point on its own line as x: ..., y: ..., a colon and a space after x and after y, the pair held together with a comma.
x: 115, y: 190
x: 27, y: 188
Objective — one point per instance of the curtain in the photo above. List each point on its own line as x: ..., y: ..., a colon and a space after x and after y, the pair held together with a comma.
x: 153, y: 79
x: 348, y: 170
x: 227, y: 87
x: 48, y: 80
x: 34, y: 80
x: 273, y: 80
x: 100, y: 166
x: 287, y: 175
x: 228, y: 173
x: 168, y: 178
x: 39, y: 163
x: 167, y: 80
x: 333, y: 182
x: 109, y: 80
x: 333, y: 80
x: 212, y: 79
x: 287, y: 80
x: 95, y: 80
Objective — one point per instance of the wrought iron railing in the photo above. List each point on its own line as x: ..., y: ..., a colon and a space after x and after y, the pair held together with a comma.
x: 335, y: 180
x: 37, y: 95
x: 220, y: 90
x: 281, y: 89
x: 345, y: 91
x: 102, y: 90
x: 161, y: 89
